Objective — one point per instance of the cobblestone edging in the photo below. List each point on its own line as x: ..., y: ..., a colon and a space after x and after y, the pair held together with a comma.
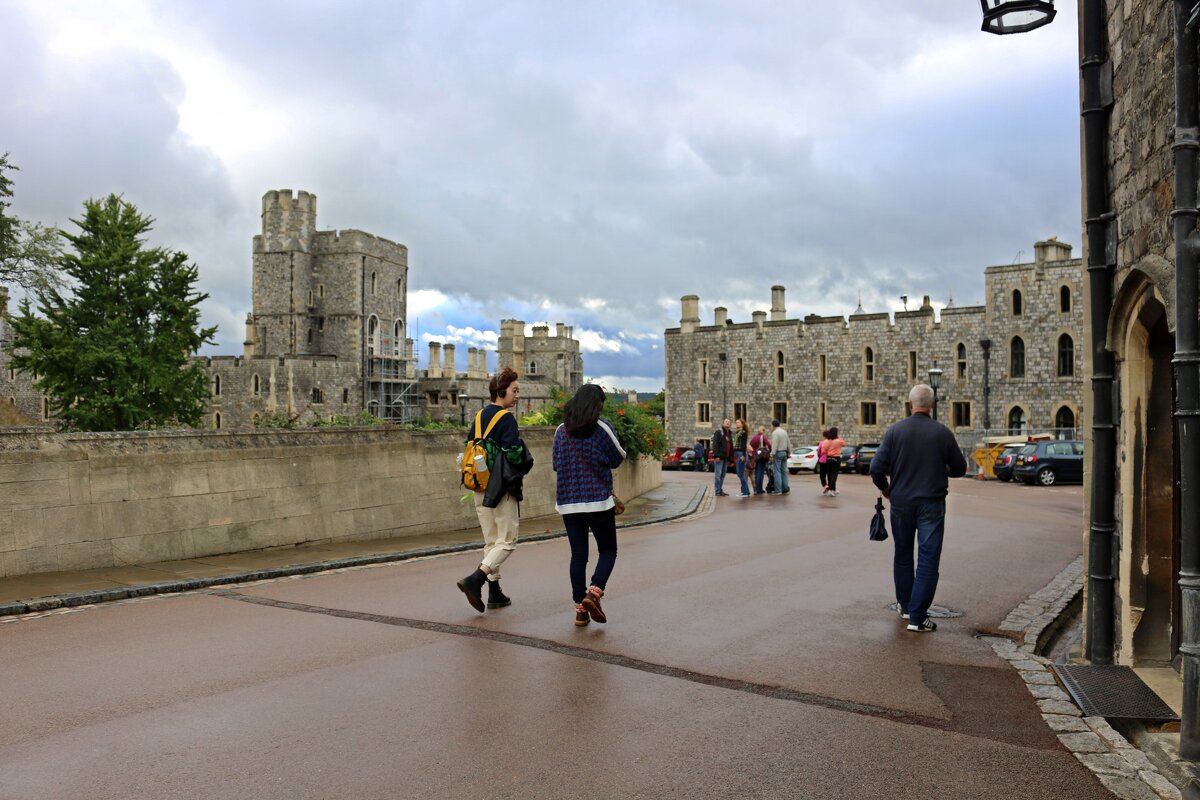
x: 700, y: 504
x: 1123, y: 769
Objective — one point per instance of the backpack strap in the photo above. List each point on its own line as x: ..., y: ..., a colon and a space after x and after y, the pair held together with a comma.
x: 491, y: 424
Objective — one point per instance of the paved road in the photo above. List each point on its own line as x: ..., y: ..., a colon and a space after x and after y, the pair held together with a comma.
x: 749, y: 653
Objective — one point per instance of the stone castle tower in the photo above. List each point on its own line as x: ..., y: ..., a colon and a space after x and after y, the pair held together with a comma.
x: 541, y: 356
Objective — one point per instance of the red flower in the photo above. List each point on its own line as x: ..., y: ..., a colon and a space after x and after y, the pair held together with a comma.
x: 620, y: 412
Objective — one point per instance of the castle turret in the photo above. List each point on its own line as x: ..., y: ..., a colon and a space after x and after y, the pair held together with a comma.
x: 778, y: 309
x: 1051, y: 250
x: 690, y: 318
x: 250, y: 346
x: 288, y: 221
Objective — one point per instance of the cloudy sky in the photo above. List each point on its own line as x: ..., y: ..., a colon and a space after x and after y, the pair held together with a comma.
x: 585, y: 162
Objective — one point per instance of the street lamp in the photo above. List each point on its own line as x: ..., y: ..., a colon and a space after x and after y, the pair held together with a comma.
x: 1016, y: 16
x: 462, y: 408
x: 724, y: 359
x: 935, y: 379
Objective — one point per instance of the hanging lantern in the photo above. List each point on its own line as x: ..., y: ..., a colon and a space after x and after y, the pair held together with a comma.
x: 1016, y: 16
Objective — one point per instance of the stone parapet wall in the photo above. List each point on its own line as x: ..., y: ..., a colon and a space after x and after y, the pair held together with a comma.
x: 84, y: 501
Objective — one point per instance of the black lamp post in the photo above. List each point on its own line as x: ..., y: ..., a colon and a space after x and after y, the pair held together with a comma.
x: 986, y: 344
x: 935, y: 380
x: 1016, y: 16
x: 462, y: 408
x: 724, y: 359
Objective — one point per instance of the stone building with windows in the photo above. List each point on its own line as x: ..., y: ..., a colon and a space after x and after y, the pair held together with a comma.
x: 1014, y: 364
x: 328, y: 335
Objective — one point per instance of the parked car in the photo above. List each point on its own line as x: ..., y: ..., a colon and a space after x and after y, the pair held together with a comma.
x: 866, y: 452
x: 802, y: 458
x: 1051, y: 462
x: 674, y: 458
x: 1002, y: 467
x: 849, y: 459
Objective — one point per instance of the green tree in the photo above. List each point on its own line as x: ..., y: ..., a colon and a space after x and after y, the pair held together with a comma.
x: 112, y: 351
x: 29, y: 252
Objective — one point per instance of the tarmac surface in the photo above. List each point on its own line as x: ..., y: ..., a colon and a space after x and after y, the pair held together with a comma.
x: 749, y: 653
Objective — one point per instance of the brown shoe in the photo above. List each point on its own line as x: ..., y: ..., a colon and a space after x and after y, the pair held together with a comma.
x: 581, y: 616
x: 591, y: 603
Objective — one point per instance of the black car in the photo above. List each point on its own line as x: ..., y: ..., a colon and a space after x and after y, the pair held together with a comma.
x: 1050, y: 462
x: 866, y: 452
x: 849, y: 458
x: 1006, y: 459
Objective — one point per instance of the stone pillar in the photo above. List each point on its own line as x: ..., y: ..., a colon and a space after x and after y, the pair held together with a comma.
x: 449, y: 368
x: 249, y: 347
x: 410, y: 363
x: 690, y: 318
x: 560, y: 329
x: 720, y: 316
x: 778, y: 309
x: 434, y: 367
x: 760, y: 318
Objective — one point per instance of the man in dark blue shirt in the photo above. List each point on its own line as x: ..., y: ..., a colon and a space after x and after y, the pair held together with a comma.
x: 911, y: 468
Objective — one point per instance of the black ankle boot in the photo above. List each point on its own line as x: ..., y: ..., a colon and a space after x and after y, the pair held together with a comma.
x: 472, y: 587
x: 497, y: 598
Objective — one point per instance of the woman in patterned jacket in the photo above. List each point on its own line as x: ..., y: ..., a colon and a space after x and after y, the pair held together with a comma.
x: 586, y: 450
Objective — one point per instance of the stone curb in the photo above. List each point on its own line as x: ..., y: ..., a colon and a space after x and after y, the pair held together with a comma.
x: 1122, y: 768
x: 94, y: 596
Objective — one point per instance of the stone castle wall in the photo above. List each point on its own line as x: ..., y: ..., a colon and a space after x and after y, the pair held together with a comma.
x: 84, y: 501
x: 868, y: 362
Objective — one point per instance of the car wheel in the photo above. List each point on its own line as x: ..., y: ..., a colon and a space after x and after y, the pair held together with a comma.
x: 1004, y: 478
x: 793, y: 471
x: 1046, y: 477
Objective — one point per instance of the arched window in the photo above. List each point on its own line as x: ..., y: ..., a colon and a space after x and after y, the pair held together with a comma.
x: 1064, y: 299
x: 1016, y: 358
x: 1017, y: 422
x: 373, y: 282
x: 310, y: 336
x: 960, y: 363
x: 1018, y: 303
x: 45, y: 408
x: 779, y: 364
x: 1064, y: 422
x: 1066, y: 356
x: 372, y: 335
x: 310, y: 299
x: 373, y: 408
x: 256, y: 385
x: 217, y: 421
x: 868, y: 365
x: 320, y: 290
x: 216, y: 388
x: 398, y: 338
x: 533, y: 368
x: 256, y: 419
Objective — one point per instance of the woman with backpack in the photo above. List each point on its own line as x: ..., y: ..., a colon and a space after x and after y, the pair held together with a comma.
x: 586, y: 451
x: 760, y: 450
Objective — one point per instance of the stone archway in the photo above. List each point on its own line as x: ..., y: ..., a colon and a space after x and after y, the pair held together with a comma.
x: 1149, y: 531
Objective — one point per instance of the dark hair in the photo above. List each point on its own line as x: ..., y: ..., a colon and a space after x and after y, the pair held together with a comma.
x: 583, y: 410
x: 833, y: 433
x: 500, y: 383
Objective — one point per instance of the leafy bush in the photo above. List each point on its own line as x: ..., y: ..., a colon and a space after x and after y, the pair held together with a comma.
x: 638, y: 427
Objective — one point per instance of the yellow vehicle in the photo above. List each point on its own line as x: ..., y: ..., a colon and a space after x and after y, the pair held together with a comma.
x: 985, y: 455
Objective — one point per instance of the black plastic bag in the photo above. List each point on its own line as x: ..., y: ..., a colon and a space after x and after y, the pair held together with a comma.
x: 878, y: 528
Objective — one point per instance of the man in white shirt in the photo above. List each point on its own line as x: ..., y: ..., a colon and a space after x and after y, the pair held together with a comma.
x: 781, y: 446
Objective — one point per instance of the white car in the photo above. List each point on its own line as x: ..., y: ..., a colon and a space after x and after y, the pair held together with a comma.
x: 802, y: 458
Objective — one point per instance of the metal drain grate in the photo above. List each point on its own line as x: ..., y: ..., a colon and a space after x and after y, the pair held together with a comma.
x: 1113, y: 692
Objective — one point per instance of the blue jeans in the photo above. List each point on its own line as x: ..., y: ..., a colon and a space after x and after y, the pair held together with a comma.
x: 760, y: 469
x: 923, y: 524
x: 740, y: 466
x: 781, y: 472
x: 719, y: 467
x: 604, y: 528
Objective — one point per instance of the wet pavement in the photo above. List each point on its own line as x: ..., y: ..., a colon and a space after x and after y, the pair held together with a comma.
x: 749, y: 653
